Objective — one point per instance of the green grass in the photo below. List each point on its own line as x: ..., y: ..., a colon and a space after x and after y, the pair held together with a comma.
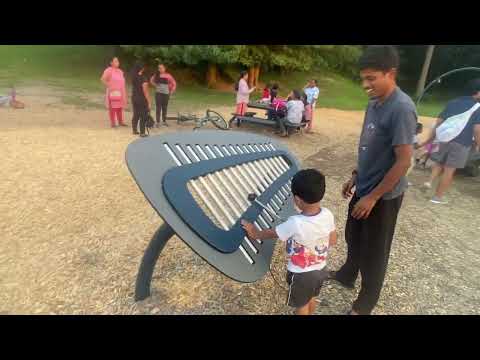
x: 75, y: 67
x: 76, y: 70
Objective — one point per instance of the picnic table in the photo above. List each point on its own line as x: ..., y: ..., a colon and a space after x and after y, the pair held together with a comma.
x: 250, y: 117
x: 260, y: 106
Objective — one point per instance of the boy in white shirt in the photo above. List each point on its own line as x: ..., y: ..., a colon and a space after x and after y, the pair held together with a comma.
x: 308, y: 237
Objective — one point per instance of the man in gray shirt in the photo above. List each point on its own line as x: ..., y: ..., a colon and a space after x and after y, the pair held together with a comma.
x: 384, y: 156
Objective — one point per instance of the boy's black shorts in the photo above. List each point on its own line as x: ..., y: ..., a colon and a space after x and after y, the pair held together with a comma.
x: 304, y: 286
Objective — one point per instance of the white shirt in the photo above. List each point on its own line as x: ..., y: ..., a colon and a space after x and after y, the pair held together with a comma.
x: 307, y: 239
x: 312, y: 94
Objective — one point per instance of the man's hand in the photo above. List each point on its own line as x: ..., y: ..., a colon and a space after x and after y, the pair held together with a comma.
x: 250, y: 229
x: 347, y: 188
x: 363, y: 207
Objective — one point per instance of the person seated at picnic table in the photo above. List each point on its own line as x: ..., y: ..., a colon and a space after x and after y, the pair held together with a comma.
x: 278, y: 109
x: 295, y: 110
x: 273, y: 92
x: 243, y: 93
x: 266, y: 94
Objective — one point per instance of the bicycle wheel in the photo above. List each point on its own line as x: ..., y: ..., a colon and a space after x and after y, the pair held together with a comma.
x: 217, y: 120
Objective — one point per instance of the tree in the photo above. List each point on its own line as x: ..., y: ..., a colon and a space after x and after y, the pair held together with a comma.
x: 211, y: 58
x: 426, y: 66
x: 209, y: 55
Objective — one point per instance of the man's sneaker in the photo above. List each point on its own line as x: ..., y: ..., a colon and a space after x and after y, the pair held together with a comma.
x: 427, y: 185
x: 157, y: 125
x: 410, y: 184
x: 165, y: 123
x: 438, y: 200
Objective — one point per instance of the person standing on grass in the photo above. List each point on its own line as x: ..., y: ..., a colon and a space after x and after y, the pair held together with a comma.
x: 384, y: 156
x: 312, y: 91
x: 165, y: 85
x: 243, y: 93
x: 455, y: 129
x: 116, y: 95
x: 140, y: 99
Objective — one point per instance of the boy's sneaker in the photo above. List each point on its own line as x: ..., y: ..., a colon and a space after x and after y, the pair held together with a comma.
x: 332, y: 275
x: 438, y: 200
x: 427, y: 185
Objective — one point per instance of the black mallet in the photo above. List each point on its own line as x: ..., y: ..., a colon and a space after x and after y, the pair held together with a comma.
x: 253, y: 198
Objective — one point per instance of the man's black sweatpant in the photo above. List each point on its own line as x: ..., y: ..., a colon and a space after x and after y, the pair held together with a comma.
x: 369, y: 242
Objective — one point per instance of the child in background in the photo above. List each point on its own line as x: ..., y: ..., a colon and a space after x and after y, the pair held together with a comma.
x: 428, y: 150
x: 308, y: 236
x: 418, y: 131
x: 266, y: 94
x: 307, y: 115
x: 273, y: 92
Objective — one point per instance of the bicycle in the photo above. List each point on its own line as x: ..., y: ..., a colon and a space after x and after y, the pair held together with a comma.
x: 210, y: 116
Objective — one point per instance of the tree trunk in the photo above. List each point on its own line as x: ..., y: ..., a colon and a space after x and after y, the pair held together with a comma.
x: 257, y: 75
x: 211, y: 75
x: 251, y: 76
x: 426, y: 67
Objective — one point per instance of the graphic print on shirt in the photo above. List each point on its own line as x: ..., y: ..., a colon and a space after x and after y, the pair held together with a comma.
x: 367, y: 136
x: 302, y: 256
x: 162, y: 86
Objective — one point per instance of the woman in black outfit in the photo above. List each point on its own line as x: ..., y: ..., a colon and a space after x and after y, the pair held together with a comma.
x: 140, y: 98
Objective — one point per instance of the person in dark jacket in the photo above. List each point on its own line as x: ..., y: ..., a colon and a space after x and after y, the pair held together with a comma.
x: 140, y: 98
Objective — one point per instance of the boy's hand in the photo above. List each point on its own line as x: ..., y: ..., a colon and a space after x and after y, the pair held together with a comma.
x: 249, y: 229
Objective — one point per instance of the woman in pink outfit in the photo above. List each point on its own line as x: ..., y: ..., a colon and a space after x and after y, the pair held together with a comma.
x: 116, y: 95
x: 243, y: 93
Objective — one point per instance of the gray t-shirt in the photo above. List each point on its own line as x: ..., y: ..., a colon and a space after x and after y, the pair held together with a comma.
x: 295, y: 110
x: 385, y: 126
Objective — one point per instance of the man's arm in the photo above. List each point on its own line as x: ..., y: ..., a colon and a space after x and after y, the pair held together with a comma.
x: 476, y: 133
x: 403, y: 155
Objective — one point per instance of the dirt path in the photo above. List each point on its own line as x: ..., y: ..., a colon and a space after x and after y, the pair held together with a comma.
x: 74, y: 227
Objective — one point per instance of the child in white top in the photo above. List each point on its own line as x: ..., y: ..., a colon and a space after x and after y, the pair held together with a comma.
x: 308, y: 237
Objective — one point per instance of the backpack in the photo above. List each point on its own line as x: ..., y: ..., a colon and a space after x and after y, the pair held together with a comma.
x: 454, y: 125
